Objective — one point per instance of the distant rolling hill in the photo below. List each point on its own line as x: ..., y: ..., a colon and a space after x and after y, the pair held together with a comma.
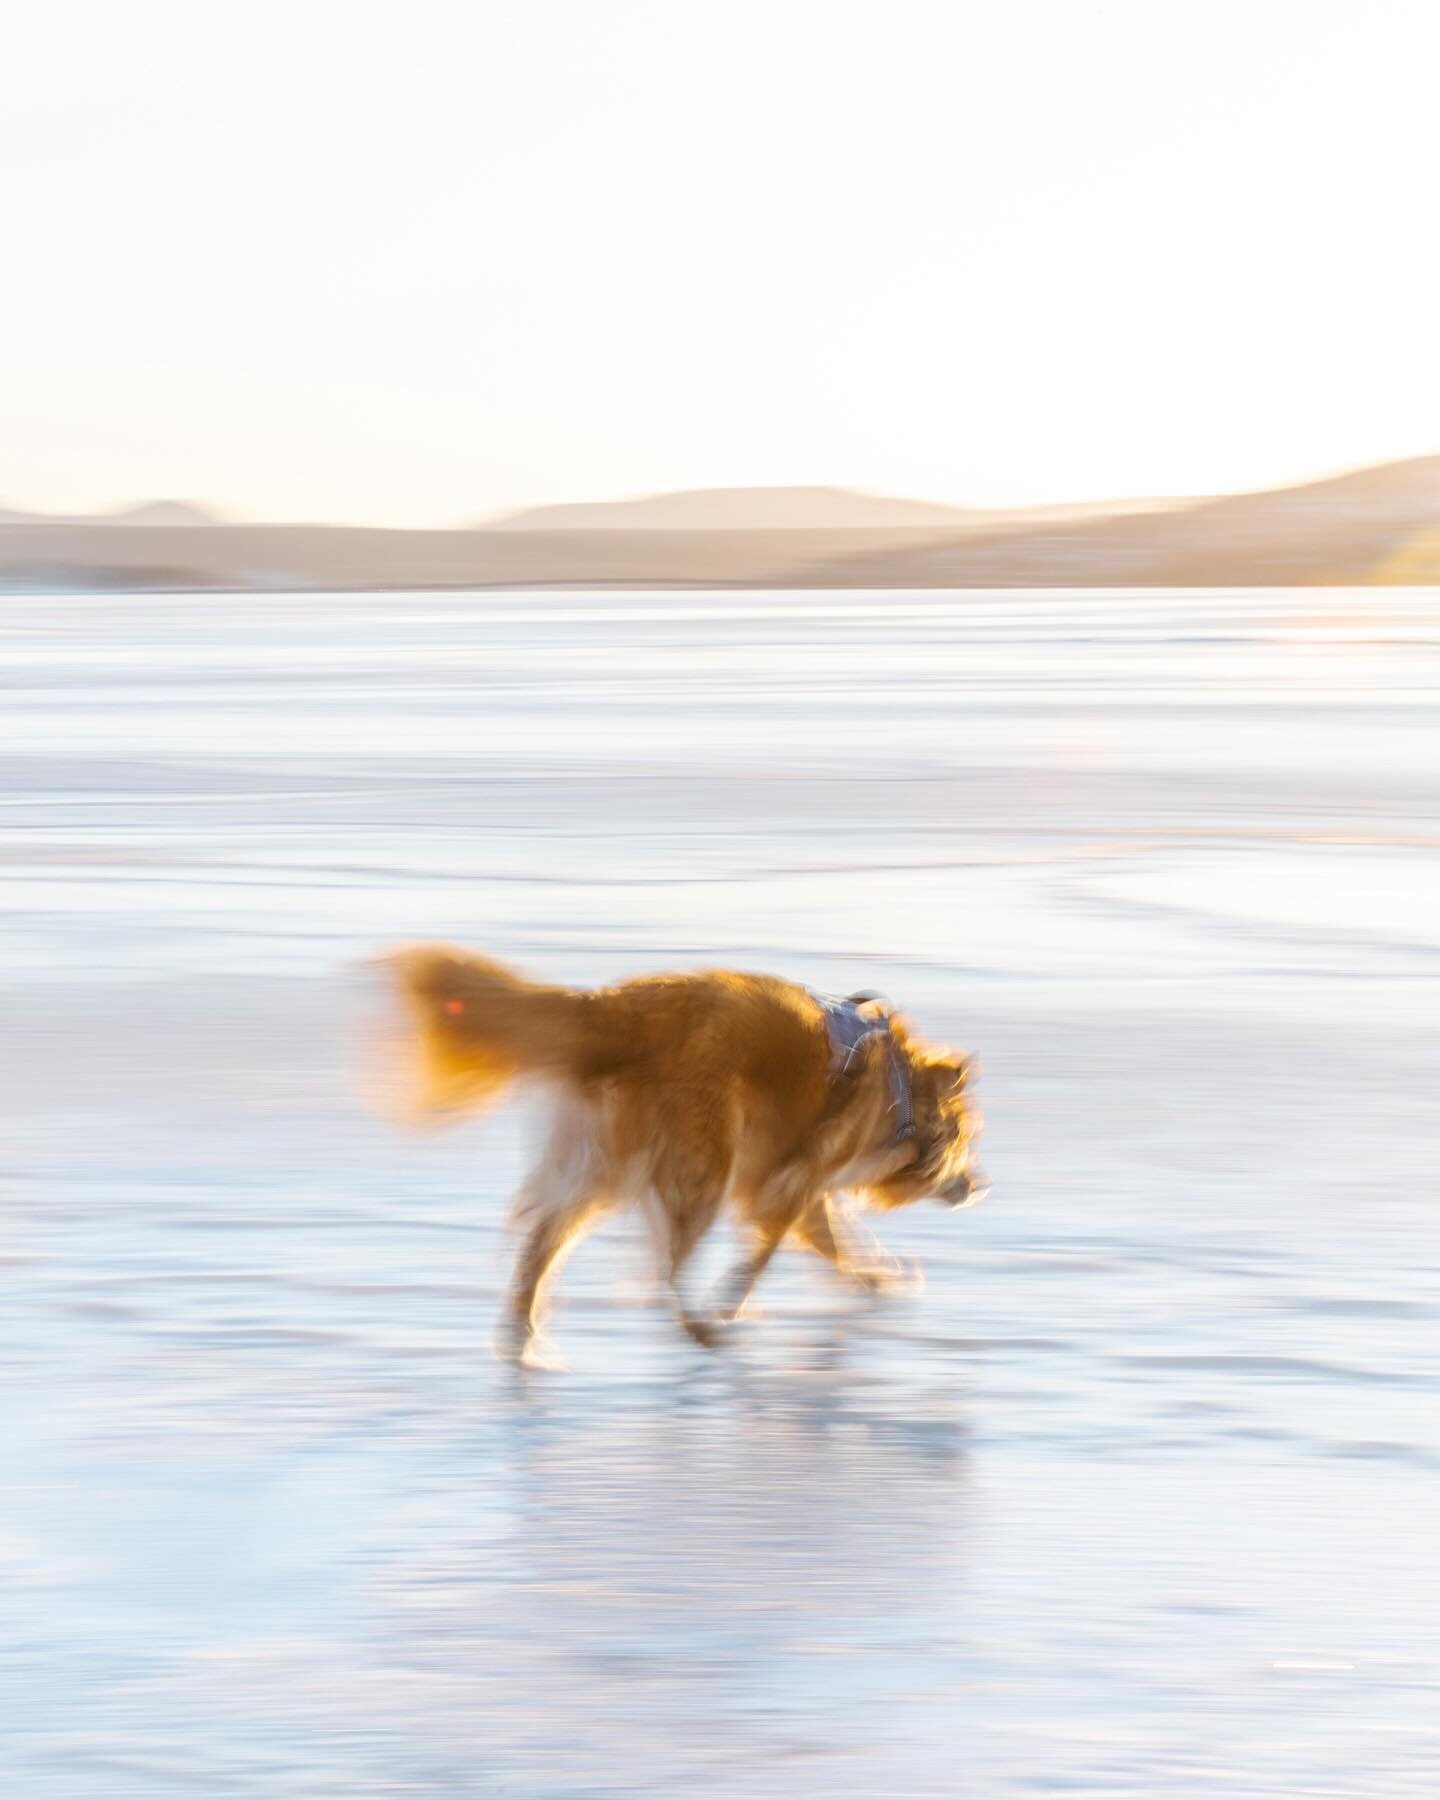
x: 1379, y: 524
x: 1350, y: 528
x: 146, y: 512
x: 742, y: 509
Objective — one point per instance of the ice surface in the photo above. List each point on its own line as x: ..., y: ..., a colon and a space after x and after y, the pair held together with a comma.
x: 1137, y: 1499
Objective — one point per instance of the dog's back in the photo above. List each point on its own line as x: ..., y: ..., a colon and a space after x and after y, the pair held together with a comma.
x: 476, y: 1025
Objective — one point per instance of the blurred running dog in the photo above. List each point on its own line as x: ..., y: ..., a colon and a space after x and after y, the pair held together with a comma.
x: 678, y: 1094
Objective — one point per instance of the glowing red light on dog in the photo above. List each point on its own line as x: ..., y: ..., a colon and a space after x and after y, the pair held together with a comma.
x: 454, y: 1006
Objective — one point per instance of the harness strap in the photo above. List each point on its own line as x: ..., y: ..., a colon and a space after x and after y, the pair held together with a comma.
x: 849, y: 1029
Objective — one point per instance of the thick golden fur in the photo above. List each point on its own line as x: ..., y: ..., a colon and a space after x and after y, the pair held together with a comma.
x: 680, y: 1094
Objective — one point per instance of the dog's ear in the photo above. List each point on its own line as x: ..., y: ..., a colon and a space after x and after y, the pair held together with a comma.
x: 954, y: 1070
x: 871, y: 1006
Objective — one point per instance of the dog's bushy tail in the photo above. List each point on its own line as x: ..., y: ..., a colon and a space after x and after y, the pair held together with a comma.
x: 469, y: 1026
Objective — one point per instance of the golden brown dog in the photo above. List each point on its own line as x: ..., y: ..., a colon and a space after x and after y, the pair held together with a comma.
x: 679, y: 1094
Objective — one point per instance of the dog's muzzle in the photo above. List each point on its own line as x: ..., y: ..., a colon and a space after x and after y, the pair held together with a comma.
x: 966, y: 1190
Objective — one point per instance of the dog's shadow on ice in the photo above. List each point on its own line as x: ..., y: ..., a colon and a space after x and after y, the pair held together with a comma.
x: 751, y: 1484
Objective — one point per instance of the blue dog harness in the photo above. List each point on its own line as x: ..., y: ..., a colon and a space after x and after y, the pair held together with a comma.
x: 849, y: 1029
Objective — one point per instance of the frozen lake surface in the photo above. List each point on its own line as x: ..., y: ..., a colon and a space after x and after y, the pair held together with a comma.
x: 1138, y: 1498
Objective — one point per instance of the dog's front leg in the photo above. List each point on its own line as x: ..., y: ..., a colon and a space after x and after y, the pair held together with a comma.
x: 692, y: 1180
x: 740, y: 1283
x: 822, y: 1227
x: 772, y: 1215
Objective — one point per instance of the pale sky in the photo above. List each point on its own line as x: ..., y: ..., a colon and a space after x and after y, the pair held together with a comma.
x: 416, y: 261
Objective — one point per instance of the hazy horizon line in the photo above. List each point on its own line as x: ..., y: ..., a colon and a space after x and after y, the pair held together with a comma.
x: 219, y: 513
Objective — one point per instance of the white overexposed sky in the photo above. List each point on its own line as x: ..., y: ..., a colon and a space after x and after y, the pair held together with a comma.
x: 414, y: 261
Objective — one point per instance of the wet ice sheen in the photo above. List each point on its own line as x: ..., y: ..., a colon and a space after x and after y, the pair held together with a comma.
x: 1136, y: 1499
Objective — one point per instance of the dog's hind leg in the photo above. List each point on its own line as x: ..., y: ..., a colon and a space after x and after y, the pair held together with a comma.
x: 552, y: 1235
x: 562, y: 1196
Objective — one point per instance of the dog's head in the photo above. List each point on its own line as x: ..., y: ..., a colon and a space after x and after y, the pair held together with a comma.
x: 941, y: 1161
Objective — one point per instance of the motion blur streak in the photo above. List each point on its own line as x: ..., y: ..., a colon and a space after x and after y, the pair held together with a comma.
x: 1135, y: 1499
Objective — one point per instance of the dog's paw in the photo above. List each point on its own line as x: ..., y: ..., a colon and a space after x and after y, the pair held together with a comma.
x: 516, y: 1344
x: 528, y: 1353
x: 710, y: 1334
x: 881, y: 1281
